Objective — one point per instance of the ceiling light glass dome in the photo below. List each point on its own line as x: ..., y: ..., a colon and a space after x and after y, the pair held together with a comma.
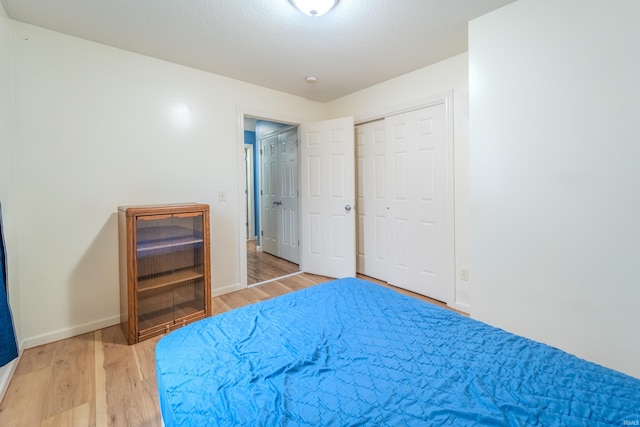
x: 314, y: 7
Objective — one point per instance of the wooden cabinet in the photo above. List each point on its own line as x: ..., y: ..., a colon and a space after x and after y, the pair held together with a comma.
x: 165, y: 279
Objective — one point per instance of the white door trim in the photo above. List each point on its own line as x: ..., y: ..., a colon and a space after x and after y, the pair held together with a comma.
x: 241, y: 112
x: 433, y: 99
x: 249, y: 167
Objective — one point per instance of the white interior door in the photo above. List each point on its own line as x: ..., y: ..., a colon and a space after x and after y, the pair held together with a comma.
x: 287, y: 203
x: 417, y: 167
x: 269, y: 194
x: 327, y: 187
x: 371, y: 200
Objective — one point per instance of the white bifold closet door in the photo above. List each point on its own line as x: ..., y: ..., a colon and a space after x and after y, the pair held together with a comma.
x: 403, y: 193
x: 418, y: 257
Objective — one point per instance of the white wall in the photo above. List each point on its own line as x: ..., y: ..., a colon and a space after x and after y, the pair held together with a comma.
x: 97, y: 127
x: 555, y: 155
x: 450, y: 74
x: 7, y: 185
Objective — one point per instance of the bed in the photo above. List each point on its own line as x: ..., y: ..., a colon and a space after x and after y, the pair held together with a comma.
x: 350, y: 352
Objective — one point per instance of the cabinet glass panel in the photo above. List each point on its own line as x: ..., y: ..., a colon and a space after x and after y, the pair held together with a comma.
x: 169, y: 267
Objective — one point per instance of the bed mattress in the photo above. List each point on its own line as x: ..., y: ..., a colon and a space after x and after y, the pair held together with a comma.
x: 350, y: 352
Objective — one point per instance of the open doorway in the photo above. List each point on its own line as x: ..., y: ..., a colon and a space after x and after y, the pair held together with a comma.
x: 325, y: 179
x: 272, y: 206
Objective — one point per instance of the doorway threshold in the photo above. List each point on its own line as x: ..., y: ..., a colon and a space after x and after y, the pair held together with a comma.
x: 274, y: 279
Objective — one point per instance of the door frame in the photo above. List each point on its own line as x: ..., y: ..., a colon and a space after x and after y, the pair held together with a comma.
x: 241, y: 113
x: 446, y: 98
x: 250, y: 205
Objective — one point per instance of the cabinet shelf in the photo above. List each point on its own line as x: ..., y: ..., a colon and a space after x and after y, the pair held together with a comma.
x: 165, y: 239
x: 165, y: 269
x: 169, y: 279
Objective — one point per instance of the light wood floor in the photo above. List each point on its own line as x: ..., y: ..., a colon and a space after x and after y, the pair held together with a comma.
x: 96, y: 379
x: 262, y: 266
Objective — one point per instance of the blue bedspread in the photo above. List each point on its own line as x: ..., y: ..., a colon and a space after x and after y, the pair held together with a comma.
x: 350, y: 353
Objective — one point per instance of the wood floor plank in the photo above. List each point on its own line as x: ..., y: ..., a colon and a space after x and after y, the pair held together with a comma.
x: 274, y: 289
x: 129, y: 399
x: 219, y: 306
x: 244, y: 297
x: 100, y: 382
x: 145, y: 354
x: 24, y: 402
x: 80, y: 416
x: 72, y: 375
x: 149, y: 393
x: 36, y: 358
x: 301, y: 281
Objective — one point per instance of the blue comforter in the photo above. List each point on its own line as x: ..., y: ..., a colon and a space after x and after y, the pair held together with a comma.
x: 350, y: 353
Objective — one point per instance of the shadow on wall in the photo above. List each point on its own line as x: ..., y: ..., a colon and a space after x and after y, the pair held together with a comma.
x: 94, y: 292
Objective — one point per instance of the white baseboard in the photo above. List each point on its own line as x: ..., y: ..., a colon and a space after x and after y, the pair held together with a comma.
x: 61, y: 334
x: 6, y: 373
x: 465, y: 308
x: 225, y: 290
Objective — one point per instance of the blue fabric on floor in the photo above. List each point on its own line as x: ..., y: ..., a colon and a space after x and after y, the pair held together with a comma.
x: 352, y: 353
x: 8, y: 344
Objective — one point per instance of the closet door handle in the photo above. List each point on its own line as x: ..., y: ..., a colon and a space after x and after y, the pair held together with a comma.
x: 277, y: 202
x: 347, y: 208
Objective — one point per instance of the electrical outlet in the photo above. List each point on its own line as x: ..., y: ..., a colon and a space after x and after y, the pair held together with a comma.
x: 464, y: 274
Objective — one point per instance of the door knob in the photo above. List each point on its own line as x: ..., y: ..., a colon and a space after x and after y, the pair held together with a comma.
x: 277, y: 202
x: 347, y: 208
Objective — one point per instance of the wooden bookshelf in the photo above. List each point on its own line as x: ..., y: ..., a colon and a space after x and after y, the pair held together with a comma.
x: 164, y: 268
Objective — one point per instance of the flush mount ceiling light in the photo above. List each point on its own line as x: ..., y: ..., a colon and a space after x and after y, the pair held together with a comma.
x: 314, y: 7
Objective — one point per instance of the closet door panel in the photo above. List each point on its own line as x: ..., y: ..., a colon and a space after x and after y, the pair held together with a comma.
x: 416, y: 153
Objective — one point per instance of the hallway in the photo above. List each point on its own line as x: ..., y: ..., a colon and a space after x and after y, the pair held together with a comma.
x: 262, y: 266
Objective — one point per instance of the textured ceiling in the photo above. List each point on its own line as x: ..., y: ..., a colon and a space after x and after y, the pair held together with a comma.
x: 268, y: 42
